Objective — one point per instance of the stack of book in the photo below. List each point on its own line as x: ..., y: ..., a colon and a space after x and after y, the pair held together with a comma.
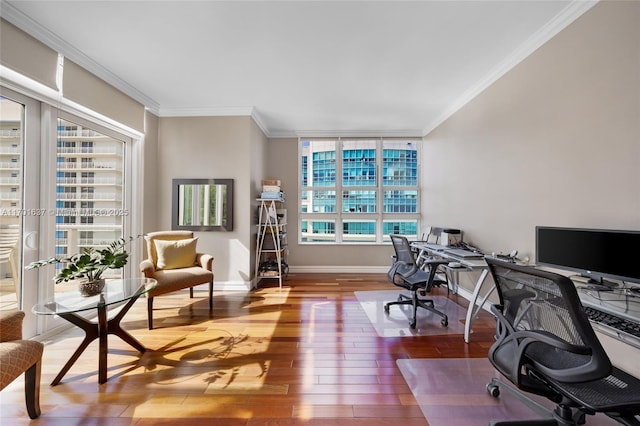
x: 271, y: 190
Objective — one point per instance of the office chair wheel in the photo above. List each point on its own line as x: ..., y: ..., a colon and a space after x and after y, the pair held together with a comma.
x: 386, y: 308
x: 444, y: 322
x: 493, y: 390
x: 413, y: 324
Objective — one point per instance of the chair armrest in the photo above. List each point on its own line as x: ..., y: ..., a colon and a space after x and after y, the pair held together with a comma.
x: 581, y: 373
x: 11, y: 325
x: 552, y: 340
x: 504, y: 327
x: 205, y: 261
x: 147, y: 268
x: 410, y: 269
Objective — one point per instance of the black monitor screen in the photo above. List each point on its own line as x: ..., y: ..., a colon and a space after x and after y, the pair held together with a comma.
x: 596, y: 253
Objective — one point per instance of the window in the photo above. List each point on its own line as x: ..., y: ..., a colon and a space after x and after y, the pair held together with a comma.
x: 90, y: 216
x: 358, y: 190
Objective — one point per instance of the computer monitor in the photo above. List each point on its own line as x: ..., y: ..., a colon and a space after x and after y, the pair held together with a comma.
x: 594, y: 253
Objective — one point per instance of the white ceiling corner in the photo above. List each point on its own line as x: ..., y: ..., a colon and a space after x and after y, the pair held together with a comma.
x: 360, y: 68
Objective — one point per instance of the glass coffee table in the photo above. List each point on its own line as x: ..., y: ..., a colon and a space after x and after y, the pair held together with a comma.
x: 68, y: 305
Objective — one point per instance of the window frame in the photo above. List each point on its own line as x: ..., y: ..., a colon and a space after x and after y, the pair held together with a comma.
x: 339, y: 217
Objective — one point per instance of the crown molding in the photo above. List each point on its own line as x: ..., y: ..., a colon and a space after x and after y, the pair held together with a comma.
x: 206, y: 111
x: 282, y: 133
x: 39, y: 32
x: 257, y: 118
x: 569, y: 14
x: 217, y: 112
x: 349, y: 133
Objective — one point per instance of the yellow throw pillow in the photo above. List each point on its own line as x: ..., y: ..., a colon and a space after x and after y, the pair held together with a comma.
x: 176, y: 254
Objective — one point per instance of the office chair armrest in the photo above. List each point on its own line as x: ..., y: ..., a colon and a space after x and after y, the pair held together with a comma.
x: 585, y: 372
x: 413, y: 268
x: 404, y: 274
x: 504, y: 327
x: 524, y: 338
x: 551, y: 340
x: 539, y: 336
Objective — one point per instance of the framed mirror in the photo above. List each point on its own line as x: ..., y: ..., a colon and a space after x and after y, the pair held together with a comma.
x: 202, y: 204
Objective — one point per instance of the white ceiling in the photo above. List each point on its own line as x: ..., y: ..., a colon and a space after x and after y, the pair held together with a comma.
x: 300, y: 67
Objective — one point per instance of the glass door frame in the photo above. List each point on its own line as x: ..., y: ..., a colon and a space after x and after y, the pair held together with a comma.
x: 39, y: 192
x: 29, y: 223
x: 48, y: 199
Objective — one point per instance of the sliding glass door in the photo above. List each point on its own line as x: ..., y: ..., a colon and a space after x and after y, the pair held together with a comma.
x: 63, y: 188
x: 11, y: 202
x: 20, y: 213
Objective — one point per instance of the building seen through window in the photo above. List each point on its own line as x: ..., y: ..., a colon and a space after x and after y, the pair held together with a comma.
x: 358, y: 190
x: 89, y: 189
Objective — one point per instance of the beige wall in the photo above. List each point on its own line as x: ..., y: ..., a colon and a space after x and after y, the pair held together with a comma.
x: 150, y: 174
x: 556, y: 141
x: 553, y: 142
x: 257, y: 173
x: 213, y: 147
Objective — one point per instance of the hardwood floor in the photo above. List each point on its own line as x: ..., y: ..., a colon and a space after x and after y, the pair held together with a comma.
x: 305, y: 354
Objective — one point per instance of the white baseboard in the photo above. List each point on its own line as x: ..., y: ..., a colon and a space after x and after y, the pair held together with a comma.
x: 232, y: 286
x: 225, y: 286
x: 339, y: 269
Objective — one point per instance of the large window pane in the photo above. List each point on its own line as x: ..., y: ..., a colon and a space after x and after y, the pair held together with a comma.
x: 407, y: 228
x: 400, y: 163
x: 359, y: 231
x: 319, y: 202
x: 90, y: 209
x: 319, y: 231
x: 318, y: 163
x: 359, y: 163
x: 359, y: 201
x: 401, y: 201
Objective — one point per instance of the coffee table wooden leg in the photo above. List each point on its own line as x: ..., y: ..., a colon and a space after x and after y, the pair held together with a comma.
x: 103, y: 347
x: 91, y: 334
x: 99, y: 331
x: 114, y: 327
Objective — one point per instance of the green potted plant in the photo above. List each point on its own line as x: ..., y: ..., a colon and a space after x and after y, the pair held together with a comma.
x: 88, y: 266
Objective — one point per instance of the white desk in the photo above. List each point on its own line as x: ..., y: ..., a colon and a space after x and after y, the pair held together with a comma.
x: 478, y: 298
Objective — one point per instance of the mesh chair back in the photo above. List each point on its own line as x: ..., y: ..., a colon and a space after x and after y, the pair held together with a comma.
x: 548, y: 304
x: 403, y: 249
x: 404, y: 263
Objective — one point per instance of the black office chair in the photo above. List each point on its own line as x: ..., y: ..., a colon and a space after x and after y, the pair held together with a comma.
x: 545, y: 345
x: 407, y: 274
